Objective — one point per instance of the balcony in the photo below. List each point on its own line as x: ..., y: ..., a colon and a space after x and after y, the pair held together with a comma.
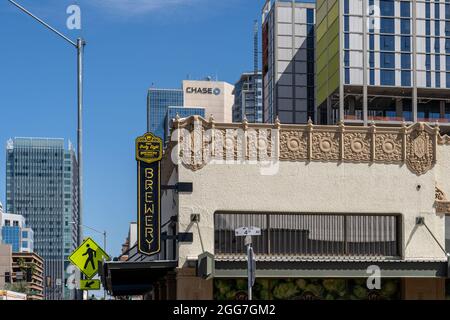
x: 392, y: 117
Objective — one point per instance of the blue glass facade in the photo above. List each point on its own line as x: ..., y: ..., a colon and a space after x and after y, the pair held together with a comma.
x: 158, y: 102
x: 11, y: 236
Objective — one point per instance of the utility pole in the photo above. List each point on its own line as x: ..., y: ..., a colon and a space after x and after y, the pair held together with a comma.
x: 79, y: 45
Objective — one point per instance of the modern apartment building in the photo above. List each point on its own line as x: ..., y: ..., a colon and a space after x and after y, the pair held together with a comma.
x: 21, y: 262
x: 288, y: 61
x: 383, y: 61
x: 42, y: 186
x: 13, y: 231
x: 248, y: 98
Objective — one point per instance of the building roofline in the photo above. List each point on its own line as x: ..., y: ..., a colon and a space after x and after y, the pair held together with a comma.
x: 165, y: 89
x: 39, y: 138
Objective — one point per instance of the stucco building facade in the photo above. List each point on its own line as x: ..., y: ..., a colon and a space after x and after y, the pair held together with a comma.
x: 331, y: 202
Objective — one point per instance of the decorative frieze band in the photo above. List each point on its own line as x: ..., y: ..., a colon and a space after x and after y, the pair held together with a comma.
x: 203, y: 140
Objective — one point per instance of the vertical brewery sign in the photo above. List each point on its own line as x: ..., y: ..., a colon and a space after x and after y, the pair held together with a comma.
x: 149, y: 152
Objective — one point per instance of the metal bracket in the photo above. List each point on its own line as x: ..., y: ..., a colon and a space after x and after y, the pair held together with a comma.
x: 180, y: 237
x: 420, y: 221
x: 185, y: 187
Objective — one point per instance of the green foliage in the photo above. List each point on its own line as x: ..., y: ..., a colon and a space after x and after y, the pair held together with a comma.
x: 20, y: 287
x: 301, y: 289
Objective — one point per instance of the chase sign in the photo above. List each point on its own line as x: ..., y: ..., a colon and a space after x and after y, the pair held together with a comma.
x: 209, y: 91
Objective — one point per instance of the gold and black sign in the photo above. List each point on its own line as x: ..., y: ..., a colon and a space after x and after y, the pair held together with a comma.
x: 149, y: 148
x: 149, y: 154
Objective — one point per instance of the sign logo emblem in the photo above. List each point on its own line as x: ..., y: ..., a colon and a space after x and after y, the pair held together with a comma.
x: 87, y: 256
x: 149, y: 148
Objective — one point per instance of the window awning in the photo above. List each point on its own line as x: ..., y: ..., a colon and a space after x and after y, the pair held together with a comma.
x: 134, y: 278
x: 269, y: 268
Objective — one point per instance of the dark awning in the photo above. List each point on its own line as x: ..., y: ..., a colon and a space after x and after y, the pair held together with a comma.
x: 134, y: 278
x: 226, y: 268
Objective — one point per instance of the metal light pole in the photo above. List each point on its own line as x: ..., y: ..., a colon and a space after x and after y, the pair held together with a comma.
x: 79, y: 45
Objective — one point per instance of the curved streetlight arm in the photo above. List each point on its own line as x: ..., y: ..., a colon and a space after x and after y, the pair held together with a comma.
x: 43, y: 23
x: 95, y: 230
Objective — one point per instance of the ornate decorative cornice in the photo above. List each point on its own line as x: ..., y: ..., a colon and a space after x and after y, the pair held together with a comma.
x: 442, y: 204
x: 413, y: 145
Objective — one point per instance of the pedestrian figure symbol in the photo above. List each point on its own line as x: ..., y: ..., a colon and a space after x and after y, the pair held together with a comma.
x: 87, y: 257
x: 91, y: 254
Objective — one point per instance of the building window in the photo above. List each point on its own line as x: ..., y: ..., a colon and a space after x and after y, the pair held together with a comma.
x: 387, y: 25
x: 406, y: 78
x: 347, y: 41
x: 387, y: 43
x: 310, y: 234
x: 372, y: 59
x: 387, y: 77
x: 405, y: 9
x: 387, y: 8
x: 310, y: 16
x: 405, y: 26
x: 387, y: 60
x: 406, y: 61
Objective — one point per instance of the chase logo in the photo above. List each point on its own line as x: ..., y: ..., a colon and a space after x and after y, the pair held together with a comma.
x: 210, y: 91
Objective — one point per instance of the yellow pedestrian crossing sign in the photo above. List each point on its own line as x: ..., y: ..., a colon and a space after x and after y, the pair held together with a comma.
x: 90, y: 285
x: 87, y: 256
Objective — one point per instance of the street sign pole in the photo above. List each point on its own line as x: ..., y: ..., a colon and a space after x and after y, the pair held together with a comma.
x: 248, y: 232
x: 250, y: 270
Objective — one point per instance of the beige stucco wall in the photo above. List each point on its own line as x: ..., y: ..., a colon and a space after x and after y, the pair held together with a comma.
x: 5, y: 262
x: 317, y: 187
x: 220, y: 106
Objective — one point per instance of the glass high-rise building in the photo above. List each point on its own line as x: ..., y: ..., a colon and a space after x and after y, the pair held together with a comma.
x: 246, y: 105
x: 158, y: 102
x: 288, y: 39
x: 383, y: 61
x: 42, y: 186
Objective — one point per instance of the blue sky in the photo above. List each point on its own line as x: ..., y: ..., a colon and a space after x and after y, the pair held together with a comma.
x: 130, y: 45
